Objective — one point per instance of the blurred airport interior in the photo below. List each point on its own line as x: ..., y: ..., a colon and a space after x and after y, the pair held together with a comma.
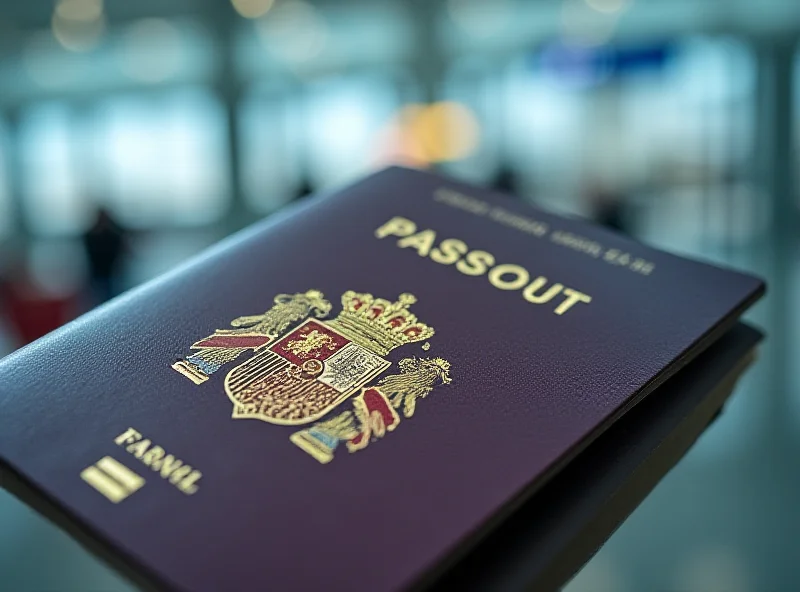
x: 134, y: 134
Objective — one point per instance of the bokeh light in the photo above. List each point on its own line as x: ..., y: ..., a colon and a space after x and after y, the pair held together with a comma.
x: 447, y: 131
x: 294, y: 31
x: 608, y: 6
x: 78, y: 25
x: 420, y: 135
x: 586, y: 27
x: 252, y: 9
x: 79, y: 10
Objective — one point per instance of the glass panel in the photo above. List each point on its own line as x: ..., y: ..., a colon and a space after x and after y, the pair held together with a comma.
x: 632, y: 124
x: 700, y: 137
x: 270, y: 170
x: 340, y: 124
x: 796, y: 124
x: 474, y: 143
x: 308, y: 38
x: 543, y: 134
x: 5, y: 197
x: 54, y: 201
x: 164, y: 158
x: 791, y: 261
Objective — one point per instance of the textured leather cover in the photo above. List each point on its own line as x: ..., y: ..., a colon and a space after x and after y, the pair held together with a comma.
x: 530, y: 388
x: 559, y: 528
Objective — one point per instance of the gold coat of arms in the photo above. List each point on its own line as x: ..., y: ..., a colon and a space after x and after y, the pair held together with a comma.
x: 301, y: 367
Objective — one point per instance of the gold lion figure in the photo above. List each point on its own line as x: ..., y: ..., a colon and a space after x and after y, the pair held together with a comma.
x: 307, y: 344
x: 288, y: 310
x: 418, y: 377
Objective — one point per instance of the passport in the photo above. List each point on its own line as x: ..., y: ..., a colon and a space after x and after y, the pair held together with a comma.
x: 353, y: 393
x: 555, y: 532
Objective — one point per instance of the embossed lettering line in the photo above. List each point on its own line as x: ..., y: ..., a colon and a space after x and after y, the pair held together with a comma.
x: 184, y: 477
x: 505, y: 276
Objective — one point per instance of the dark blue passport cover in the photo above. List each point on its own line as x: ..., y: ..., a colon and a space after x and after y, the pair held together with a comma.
x: 344, y: 396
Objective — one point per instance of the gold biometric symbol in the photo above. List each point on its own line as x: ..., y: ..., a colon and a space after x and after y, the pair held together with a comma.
x: 306, y: 344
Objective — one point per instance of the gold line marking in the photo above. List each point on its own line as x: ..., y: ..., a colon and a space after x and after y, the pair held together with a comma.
x: 183, y: 368
x: 316, y: 449
x: 245, y: 380
x: 259, y: 364
x: 259, y: 369
x: 258, y: 358
x: 104, y: 484
x: 116, y: 470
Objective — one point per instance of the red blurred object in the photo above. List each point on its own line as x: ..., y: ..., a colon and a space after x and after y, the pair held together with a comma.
x: 32, y: 314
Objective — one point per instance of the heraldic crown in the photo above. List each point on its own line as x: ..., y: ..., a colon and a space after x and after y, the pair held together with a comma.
x: 377, y: 324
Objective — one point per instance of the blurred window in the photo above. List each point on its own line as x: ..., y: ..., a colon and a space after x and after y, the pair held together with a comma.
x: 163, y: 157
x: 637, y: 122
x: 5, y: 196
x: 310, y: 38
x: 157, y: 50
x: 342, y: 124
x: 149, y: 51
x: 691, y: 137
x: 54, y: 201
x: 796, y: 93
x: 270, y: 163
x: 544, y: 129
x: 329, y: 132
x: 474, y: 84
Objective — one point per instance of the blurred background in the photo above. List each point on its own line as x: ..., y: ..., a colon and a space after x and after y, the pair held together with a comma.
x: 133, y: 134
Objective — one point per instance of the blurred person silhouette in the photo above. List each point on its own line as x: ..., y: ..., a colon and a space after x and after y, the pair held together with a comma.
x: 106, y: 243
x: 607, y: 207
x: 505, y: 180
x: 304, y: 189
